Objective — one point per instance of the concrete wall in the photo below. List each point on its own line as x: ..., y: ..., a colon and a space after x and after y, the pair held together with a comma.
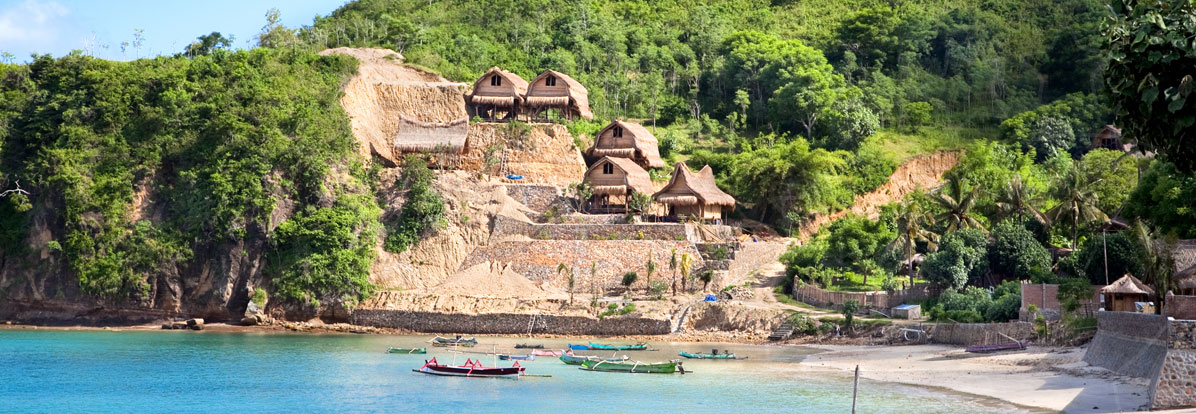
x: 1180, y: 307
x: 507, y: 323
x: 981, y: 333
x: 875, y: 300
x: 1046, y: 298
x: 1128, y: 343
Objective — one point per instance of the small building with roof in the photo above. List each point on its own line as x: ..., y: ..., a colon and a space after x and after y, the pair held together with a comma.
x: 445, y: 137
x: 1185, y: 281
x: 497, y: 96
x: 630, y: 140
x: 1108, y: 137
x: 552, y: 90
x: 614, y: 180
x: 694, y: 194
x: 1123, y: 294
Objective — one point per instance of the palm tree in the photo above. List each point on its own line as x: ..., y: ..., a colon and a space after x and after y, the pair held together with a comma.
x: 561, y: 268
x: 913, y: 227
x: 957, y: 205
x: 673, y: 268
x: 651, y: 268
x: 685, y: 267
x: 1018, y: 200
x: 1077, y: 204
x: 1158, y: 265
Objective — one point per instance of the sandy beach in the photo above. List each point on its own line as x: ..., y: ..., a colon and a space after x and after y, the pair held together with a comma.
x: 1051, y: 378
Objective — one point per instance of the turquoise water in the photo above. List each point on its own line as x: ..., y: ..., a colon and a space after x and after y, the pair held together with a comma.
x: 207, y: 372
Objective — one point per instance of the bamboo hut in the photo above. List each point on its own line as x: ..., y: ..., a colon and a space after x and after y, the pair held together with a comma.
x: 1186, y: 281
x: 628, y: 140
x: 416, y: 136
x: 1108, y: 137
x: 497, y: 95
x: 689, y: 194
x: 552, y: 90
x: 614, y: 180
x: 1122, y: 295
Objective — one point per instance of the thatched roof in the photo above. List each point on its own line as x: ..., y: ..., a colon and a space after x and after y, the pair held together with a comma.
x: 637, y: 179
x: 688, y: 188
x: 578, y: 96
x: 1186, y: 278
x: 416, y: 136
x: 1128, y: 285
x: 644, y: 143
x: 517, y: 84
x: 1184, y: 254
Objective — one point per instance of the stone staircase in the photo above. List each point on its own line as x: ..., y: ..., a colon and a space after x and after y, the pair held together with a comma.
x: 784, y: 331
x: 679, y: 322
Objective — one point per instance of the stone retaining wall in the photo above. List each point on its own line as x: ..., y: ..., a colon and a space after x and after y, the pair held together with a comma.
x: 981, y: 333
x: 538, y: 197
x: 508, y: 323
x: 1180, y: 307
x: 506, y: 226
x: 538, y: 259
x: 1128, y: 343
x: 882, y: 301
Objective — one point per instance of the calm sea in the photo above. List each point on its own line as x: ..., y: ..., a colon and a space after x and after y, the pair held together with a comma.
x: 207, y: 372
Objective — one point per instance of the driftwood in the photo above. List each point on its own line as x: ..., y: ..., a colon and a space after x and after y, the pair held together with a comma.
x: 17, y: 190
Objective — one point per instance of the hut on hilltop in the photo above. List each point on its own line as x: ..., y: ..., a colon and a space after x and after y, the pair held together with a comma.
x: 614, y: 180
x: 689, y: 194
x: 1109, y: 137
x: 628, y: 140
x: 552, y: 90
x: 416, y: 136
x: 1122, y: 295
x: 497, y: 95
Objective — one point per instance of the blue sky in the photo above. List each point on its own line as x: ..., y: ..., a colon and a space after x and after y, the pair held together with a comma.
x: 99, y: 26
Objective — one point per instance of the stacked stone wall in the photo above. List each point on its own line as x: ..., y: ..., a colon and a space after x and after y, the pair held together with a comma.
x: 508, y: 323
x: 1180, y: 307
x: 982, y: 333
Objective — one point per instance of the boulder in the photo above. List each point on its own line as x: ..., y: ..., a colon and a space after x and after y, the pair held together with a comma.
x: 253, y: 315
x: 195, y: 324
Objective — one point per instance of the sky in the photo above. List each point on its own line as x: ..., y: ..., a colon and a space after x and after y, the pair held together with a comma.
x: 100, y: 26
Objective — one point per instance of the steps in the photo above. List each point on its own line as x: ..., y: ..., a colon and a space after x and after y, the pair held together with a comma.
x: 782, y: 332
x: 680, y: 321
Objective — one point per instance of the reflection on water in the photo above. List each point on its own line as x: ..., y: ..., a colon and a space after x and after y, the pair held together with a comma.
x: 177, y: 371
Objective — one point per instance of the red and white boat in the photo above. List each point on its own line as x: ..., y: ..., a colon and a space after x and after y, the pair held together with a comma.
x: 471, y: 368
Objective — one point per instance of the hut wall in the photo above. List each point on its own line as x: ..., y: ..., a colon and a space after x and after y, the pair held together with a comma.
x: 713, y: 213
x: 540, y: 88
x: 485, y: 89
x: 596, y: 178
x: 608, y: 139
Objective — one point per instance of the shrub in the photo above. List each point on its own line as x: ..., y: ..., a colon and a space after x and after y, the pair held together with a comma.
x: 629, y: 278
x: 803, y: 324
x: 259, y: 298
x: 422, y: 211
x: 1015, y: 252
x: 849, y: 309
x: 326, y: 253
x: 962, y: 257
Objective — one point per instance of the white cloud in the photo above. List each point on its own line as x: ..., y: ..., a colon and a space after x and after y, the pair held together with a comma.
x: 31, y: 21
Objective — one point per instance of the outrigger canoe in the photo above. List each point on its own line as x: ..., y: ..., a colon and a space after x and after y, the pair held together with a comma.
x: 438, y: 341
x: 570, y: 359
x: 529, y: 346
x: 579, y: 347
x: 541, y: 352
x: 710, y: 356
x: 634, y: 367
x: 517, y: 357
x: 601, y: 347
x: 407, y: 350
x: 471, y: 368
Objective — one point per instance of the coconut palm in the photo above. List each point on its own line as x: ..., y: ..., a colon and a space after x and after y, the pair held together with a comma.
x: 1077, y: 204
x: 651, y: 268
x: 572, y: 280
x: 1158, y: 265
x: 913, y: 227
x: 956, y: 203
x: 1018, y: 200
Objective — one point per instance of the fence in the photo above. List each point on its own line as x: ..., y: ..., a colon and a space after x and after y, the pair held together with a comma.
x: 868, y: 300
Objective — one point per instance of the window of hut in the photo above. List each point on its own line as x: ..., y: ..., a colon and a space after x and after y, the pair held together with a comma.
x: 608, y: 169
x: 550, y: 81
x: 618, y: 132
x: 495, y: 81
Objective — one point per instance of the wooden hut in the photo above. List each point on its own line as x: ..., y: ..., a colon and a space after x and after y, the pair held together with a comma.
x: 1186, y: 281
x: 1109, y: 137
x: 416, y: 136
x: 497, y: 95
x: 689, y: 194
x: 553, y: 90
x: 1122, y: 295
x: 614, y: 180
x: 628, y: 140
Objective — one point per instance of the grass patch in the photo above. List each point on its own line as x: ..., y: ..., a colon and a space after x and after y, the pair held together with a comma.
x: 900, y: 146
x: 854, y: 282
x: 789, y: 300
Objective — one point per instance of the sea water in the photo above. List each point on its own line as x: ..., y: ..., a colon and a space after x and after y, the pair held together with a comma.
x: 55, y: 371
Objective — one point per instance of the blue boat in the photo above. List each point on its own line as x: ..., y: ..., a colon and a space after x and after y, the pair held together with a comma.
x: 579, y: 347
x: 517, y: 357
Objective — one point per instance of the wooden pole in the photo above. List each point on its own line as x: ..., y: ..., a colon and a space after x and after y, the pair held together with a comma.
x: 855, y: 388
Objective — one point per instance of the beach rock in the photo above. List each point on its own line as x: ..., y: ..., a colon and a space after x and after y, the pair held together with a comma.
x: 195, y: 324
x: 175, y: 325
x: 253, y: 315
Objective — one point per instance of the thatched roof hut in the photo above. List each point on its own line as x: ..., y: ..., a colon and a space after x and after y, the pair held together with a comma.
x: 1109, y: 137
x: 555, y: 90
x: 416, y: 136
x: 614, y: 180
x: 1121, y: 295
x: 628, y: 140
x: 497, y: 92
x: 1186, y: 281
x: 690, y: 194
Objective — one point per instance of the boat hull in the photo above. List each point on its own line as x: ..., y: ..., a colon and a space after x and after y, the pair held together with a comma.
x: 708, y: 356
x: 538, y: 352
x: 407, y: 350
x: 471, y: 369
x: 577, y: 360
x: 529, y: 346
x: 631, y: 367
x: 517, y: 357
x: 601, y: 347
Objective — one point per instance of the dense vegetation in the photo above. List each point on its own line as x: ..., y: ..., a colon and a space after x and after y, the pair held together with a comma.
x: 782, y: 90
x: 218, y: 139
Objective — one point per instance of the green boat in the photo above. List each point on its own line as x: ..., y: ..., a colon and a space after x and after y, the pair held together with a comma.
x: 570, y: 359
x: 709, y: 356
x: 635, y: 367
x: 636, y: 347
x: 407, y: 351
